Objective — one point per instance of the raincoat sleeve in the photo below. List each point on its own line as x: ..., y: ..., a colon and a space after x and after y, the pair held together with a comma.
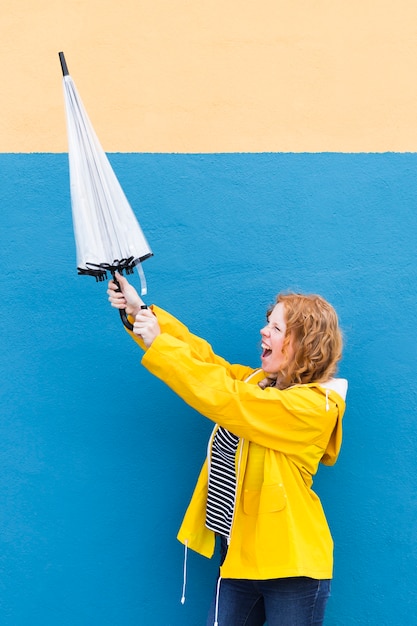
x: 200, y: 349
x: 299, y: 421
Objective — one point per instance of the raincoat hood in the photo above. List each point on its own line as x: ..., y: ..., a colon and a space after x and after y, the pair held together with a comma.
x: 336, y: 387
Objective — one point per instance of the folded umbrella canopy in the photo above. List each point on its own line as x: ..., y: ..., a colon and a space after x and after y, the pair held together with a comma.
x: 107, y: 234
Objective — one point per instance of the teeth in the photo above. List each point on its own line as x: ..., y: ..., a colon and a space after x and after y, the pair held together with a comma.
x: 265, y: 347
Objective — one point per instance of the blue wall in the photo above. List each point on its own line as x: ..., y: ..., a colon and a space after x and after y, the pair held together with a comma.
x: 98, y: 459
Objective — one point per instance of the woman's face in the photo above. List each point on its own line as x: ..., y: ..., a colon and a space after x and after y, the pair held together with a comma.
x: 273, y: 335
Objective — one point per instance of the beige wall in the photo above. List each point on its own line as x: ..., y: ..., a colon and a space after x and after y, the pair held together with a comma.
x: 212, y: 75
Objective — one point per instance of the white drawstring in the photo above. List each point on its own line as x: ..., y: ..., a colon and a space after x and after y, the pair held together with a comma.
x: 327, y: 400
x: 185, y: 571
x: 216, y: 612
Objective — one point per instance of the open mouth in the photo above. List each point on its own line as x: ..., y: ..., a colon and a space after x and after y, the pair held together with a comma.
x: 265, y: 351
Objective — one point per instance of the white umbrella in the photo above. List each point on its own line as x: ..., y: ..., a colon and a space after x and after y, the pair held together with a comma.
x: 107, y: 234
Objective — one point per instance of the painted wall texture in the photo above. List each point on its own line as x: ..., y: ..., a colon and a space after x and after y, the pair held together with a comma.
x: 264, y: 146
x: 218, y: 76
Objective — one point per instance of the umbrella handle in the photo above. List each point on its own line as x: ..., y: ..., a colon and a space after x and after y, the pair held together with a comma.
x: 124, y: 319
x: 123, y: 314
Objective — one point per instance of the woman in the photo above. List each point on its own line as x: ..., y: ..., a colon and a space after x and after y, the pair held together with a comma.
x: 273, y: 426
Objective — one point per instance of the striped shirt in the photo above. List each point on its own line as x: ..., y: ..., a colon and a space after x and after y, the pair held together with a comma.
x: 222, y: 482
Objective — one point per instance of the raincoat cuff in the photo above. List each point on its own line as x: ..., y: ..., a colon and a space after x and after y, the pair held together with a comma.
x: 162, y: 338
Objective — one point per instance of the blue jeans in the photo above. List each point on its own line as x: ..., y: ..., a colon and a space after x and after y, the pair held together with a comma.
x: 281, y: 601
x: 298, y: 601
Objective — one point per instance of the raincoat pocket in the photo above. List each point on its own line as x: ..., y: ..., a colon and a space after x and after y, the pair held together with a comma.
x: 269, y: 499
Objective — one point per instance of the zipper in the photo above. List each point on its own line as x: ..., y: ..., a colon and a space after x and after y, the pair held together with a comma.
x: 238, y: 489
x: 237, y: 493
x: 209, y: 446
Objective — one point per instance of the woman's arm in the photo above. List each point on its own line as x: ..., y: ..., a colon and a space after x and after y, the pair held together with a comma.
x: 295, y: 421
x: 149, y: 323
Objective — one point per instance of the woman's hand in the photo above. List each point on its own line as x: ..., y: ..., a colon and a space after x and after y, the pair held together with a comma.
x: 146, y: 326
x: 128, y: 298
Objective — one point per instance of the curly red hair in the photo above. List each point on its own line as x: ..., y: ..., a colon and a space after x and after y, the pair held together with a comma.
x: 314, y: 337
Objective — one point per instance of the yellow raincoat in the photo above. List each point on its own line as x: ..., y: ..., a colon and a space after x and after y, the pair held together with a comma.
x: 279, y: 527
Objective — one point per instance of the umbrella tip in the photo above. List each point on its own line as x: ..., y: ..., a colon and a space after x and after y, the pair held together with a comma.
x: 63, y: 64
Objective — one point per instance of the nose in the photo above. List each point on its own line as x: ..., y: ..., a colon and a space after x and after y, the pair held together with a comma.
x: 264, y: 331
